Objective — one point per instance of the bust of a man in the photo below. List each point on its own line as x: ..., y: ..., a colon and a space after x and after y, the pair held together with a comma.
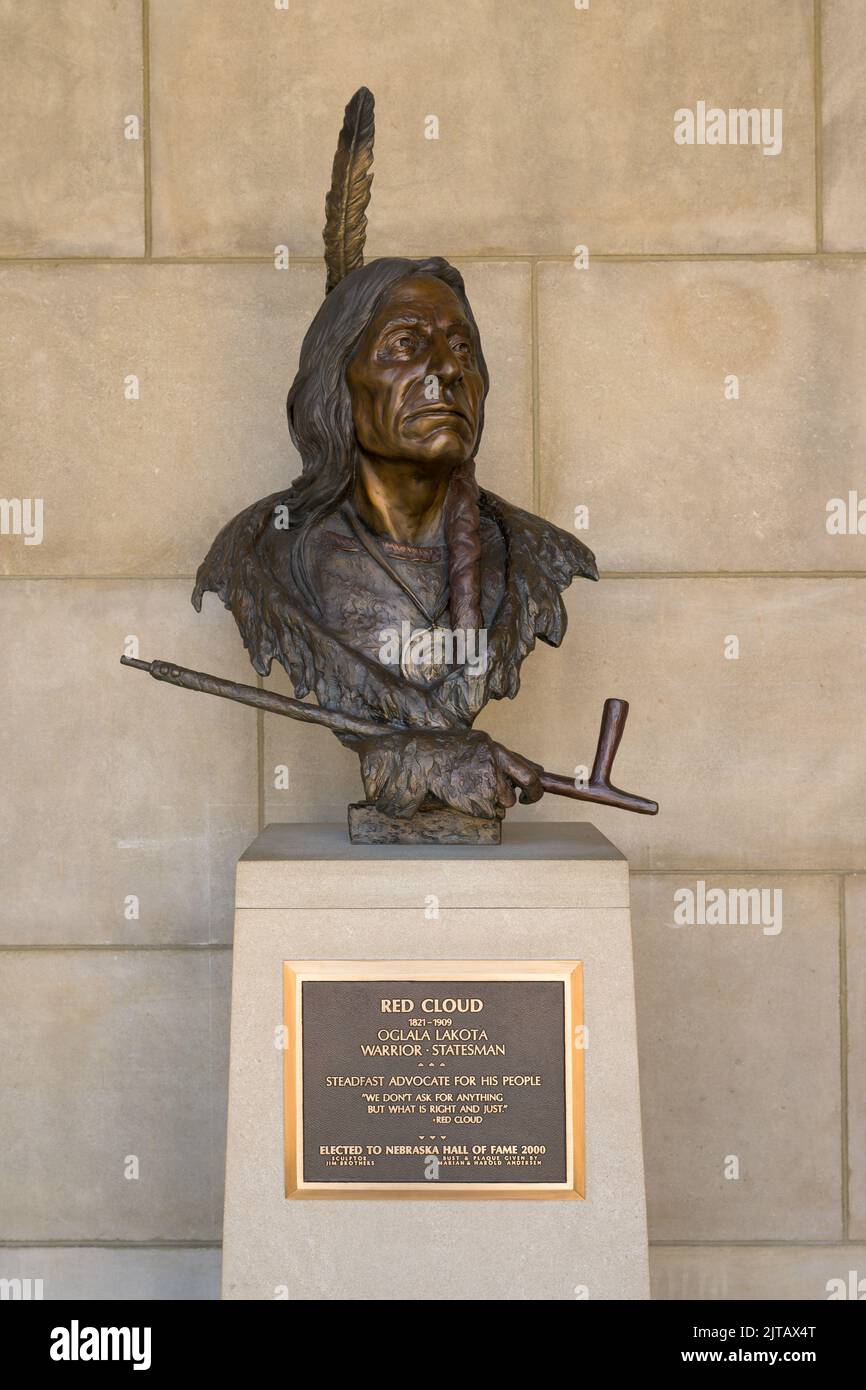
x: 385, y: 580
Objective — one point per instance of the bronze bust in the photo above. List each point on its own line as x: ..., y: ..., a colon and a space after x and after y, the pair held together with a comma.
x: 384, y: 580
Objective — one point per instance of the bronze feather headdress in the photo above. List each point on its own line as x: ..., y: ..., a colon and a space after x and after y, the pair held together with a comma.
x: 345, y: 228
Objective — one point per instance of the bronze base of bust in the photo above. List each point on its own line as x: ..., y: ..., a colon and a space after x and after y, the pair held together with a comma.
x: 432, y: 824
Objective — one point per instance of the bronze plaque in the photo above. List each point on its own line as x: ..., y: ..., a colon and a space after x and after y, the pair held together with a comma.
x: 430, y: 1079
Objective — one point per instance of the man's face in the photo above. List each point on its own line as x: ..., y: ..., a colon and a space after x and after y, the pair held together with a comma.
x: 414, y: 380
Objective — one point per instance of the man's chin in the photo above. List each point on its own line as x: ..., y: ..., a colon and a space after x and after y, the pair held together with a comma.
x: 443, y: 445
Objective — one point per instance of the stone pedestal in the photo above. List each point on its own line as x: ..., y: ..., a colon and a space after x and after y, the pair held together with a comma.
x: 548, y: 892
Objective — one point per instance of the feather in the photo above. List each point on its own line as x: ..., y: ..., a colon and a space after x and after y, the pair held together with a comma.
x: 345, y: 228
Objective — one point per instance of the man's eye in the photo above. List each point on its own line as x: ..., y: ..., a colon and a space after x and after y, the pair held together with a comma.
x: 460, y: 345
x: 403, y: 342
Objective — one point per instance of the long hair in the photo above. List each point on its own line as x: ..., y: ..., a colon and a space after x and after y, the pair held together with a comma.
x: 319, y: 410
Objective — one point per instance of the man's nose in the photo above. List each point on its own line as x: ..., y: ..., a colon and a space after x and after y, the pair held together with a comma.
x: 444, y: 361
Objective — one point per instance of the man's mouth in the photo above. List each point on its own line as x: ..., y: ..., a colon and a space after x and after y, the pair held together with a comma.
x: 451, y: 411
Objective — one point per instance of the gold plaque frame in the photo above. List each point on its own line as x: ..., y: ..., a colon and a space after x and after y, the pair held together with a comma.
x: 568, y: 973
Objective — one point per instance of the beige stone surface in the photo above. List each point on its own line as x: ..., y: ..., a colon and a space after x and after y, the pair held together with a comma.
x: 134, y: 487
x: 114, y: 1275
x: 725, y: 1272
x: 123, y: 786
x: 71, y: 184
x: 108, y: 1056
x: 843, y: 40
x: 709, y: 738
x: 556, y: 126
x: 634, y: 421
x: 738, y: 1032
x: 855, y: 923
x: 369, y: 1250
x: 315, y: 866
x: 321, y: 776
